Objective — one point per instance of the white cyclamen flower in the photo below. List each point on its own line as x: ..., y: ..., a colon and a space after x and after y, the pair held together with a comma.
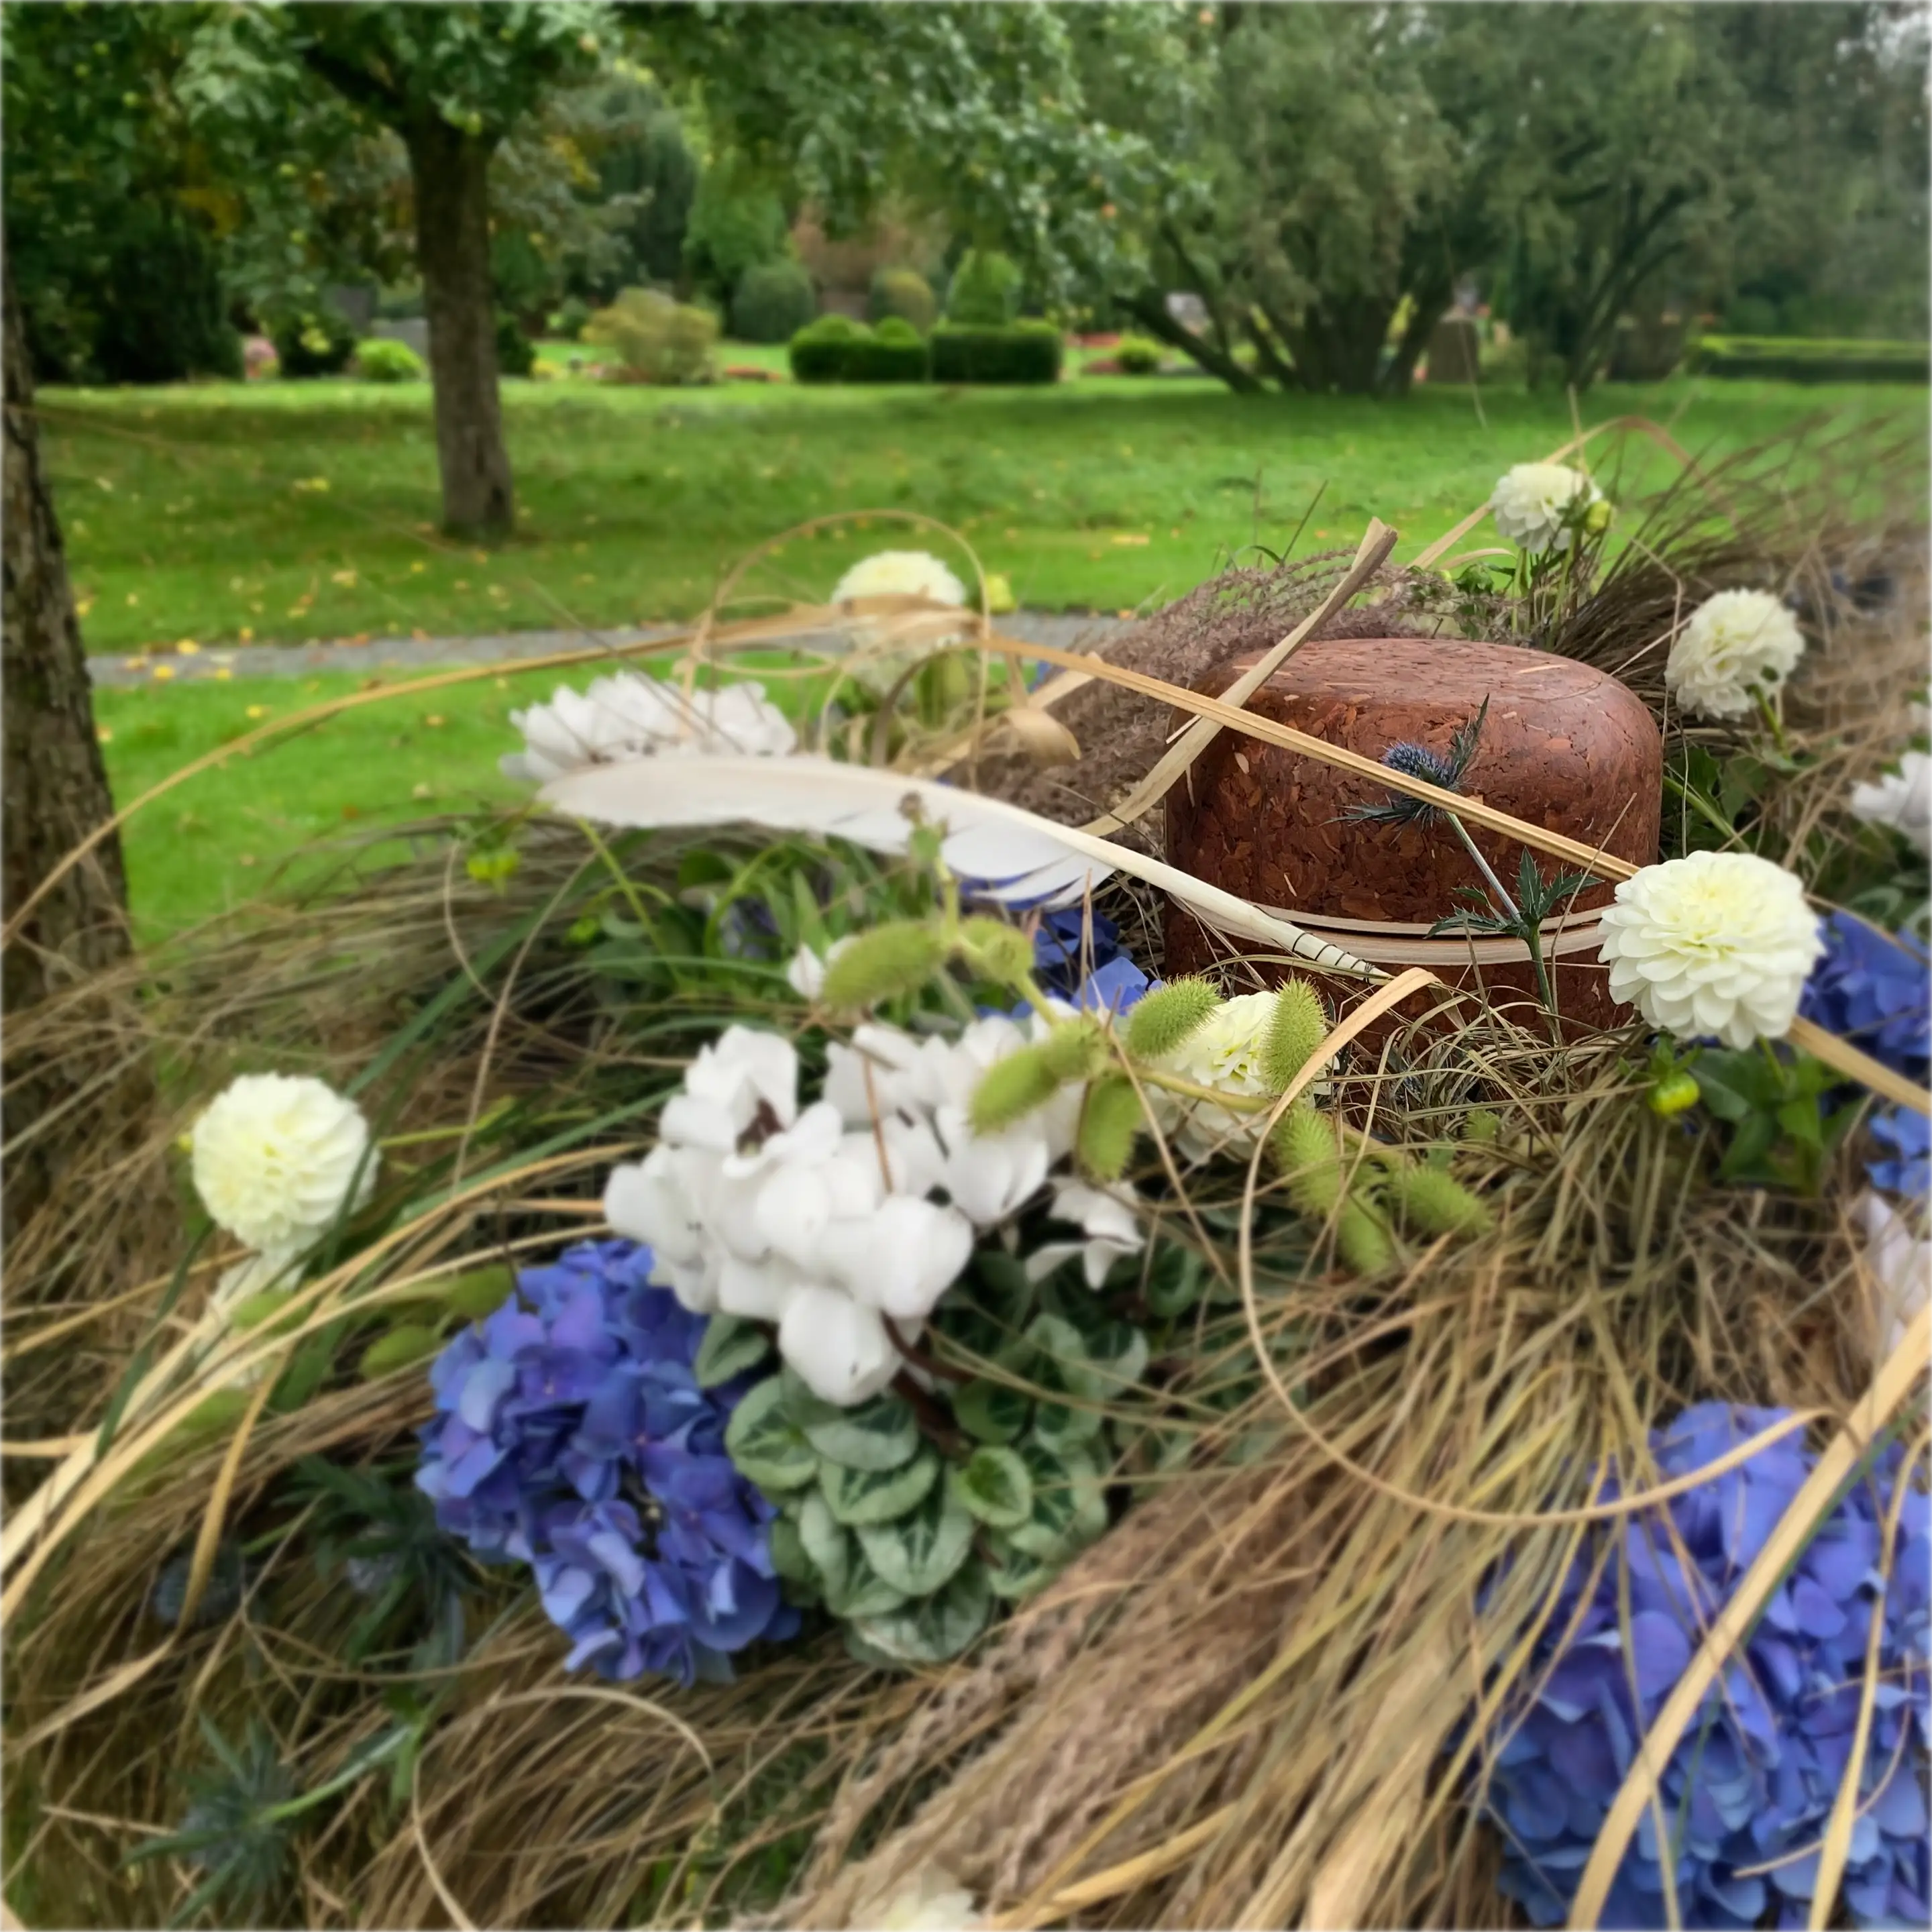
x: 1900, y: 1262
x: 1716, y: 943
x: 1902, y: 800
x: 1536, y: 505
x: 839, y: 1346
x: 629, y: 716
x: 743, y: 1069
x: 277, y: 1158
x: 1110, y: 1227
x: 1734, y: 647
x: 1225, y: 1050
x: 806, y: 975
x: 931, y: 1903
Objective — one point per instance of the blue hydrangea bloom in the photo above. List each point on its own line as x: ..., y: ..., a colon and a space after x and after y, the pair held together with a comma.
x: 1906, y: 1168
x: 1876, y: 991
x: 1061, y: 947
x: 571, y: 1434
x: 1749, y: 1788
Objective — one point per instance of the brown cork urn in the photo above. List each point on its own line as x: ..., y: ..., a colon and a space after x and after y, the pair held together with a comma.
x: 1564, y: 746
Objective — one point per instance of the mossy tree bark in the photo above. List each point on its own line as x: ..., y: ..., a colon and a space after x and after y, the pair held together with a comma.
x: 450, y: 169
x: 54, y: 793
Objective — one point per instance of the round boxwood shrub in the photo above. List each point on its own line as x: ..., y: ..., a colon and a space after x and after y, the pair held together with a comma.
x: 572, y: 313
x: 894, y: 351
x: 1028, y: 352
x: 818, y: 350
x: 317, y: 344
x: 379, y: 361
x: 906, y: 293
x: 773, y: 301
x: 1137, y: 355
x: 516, y: 353
x: 985, y: 290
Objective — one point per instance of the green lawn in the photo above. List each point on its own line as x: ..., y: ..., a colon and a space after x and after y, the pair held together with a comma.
x: 291, y: 511
x: 304, y: 510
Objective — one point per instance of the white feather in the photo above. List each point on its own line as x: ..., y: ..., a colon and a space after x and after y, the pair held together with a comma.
x: 1012, y: 855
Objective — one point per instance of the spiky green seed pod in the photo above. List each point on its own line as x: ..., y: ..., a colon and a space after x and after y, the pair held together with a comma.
x: 1311, y: 1162
x: 999, y: 952
x: 1481, y: 1127
x: 1433, y: 1202
x: 1010, y: 1089
x: 1361, y: 1241
x: 408, y: 1342
x: 899, y: 957
x: 1108, y: 1123
x: 1075, y: 1050
x: 1162, y: 1019
x: 1296, y: 1029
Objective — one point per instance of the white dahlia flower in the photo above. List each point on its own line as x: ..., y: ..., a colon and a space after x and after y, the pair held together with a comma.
x: 1733, y: 647
x: 932, y: 1902
x: 1225, y: 1050
x: 897, y: 573
x: 1716, y: 943
x: 629, y: 716
x: 277, y: 1157
x: 1536, y: 505
x: 1902, y: 800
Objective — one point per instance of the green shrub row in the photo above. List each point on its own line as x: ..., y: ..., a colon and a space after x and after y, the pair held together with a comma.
x: 1796, y: 359
x: 835, y: 349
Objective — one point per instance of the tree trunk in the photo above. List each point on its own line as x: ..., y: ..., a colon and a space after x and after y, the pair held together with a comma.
x: 53, y: 791
x: 450, y: 172
x: 1149, y: 308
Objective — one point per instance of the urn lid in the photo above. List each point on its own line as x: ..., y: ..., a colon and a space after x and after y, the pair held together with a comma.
x: 1563, y: 745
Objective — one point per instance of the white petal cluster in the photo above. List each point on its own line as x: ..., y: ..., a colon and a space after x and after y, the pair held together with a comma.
x: 628, y: 716
x: 1900, y: 1259
x: 897, y: 573
x: 806, y: 975
x: 277, y: 1157
x: 1732, y: 648
x: 1716, y: 943
x: 1110, y: 1230
x: 1535, y: 504
x: 1225, y: 1050
x: 823, y: 1219
x: 932, y: 1902
x: 1902, y: 800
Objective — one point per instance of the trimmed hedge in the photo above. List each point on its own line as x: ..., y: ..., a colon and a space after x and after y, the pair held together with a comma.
x: 1028, y: 352
x: 772, y: 301
x: 1138, y: 356
x: 380, y: 360
x: 905, y: 293
x: 516, y: 353
x: 316, y: 344
x: 1795, y: 359
x: 835, y: 349
x: 985, y: 290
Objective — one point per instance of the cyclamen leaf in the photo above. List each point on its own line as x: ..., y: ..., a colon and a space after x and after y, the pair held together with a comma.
x: 1065, y: 1365
x: 1062, y: 1426
x: 766, y: 1445
x: 863, y: 1592
x: 859, y: 1497
x: 1069, y: 1510
x: 881, y: 1434
x: 1013, y: 1576
x: 935, y: 1627
x: 990, y: 1411
x: 827, y: 1547
x: 993, y: 1485
x: 730, y: 1347
x: 1119, y: 1353
x: 919, y: 1552
x: 788, y: 1553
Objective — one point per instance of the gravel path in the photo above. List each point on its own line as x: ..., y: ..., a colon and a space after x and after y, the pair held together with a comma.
x: 1037, y: 627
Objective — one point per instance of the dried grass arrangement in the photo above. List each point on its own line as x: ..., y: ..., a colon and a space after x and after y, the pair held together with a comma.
x: 1343, y: 1537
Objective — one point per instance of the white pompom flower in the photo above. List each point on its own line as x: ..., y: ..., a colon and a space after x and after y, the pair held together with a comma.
x: 1902, y: 800
x: 1717, y: 943
x: 629, y: 716
x: 1536, y: 505
x: 1734, y: 648
x: 932, y: 1902
x: 276, y: 1159
x: 1225, y: 1050
x: 898, y: 573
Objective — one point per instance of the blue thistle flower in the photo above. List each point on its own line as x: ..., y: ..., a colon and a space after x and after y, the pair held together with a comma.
x: 1748, y: 1793
x: 1445, y: 769
x: 571, y: 1434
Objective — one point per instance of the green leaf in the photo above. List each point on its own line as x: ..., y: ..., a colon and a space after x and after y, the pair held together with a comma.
x: 730, y: 1347
x: 859, y: 1497
x: 1066, y: 1366
x: 1013, y: 1576
x: 1119, y: 1353
x: 990, y: 1411
x: 1069, y: 1509
x: 993, y: 1485
x: 862, y: 1591
x: 881, y: 1434
x: 788, y: 1553
x: 919, y: 1551
x: 826, y: 1547
x: 765, y: 1443
x: 936, y: 1627
x: 1174, y: 1282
